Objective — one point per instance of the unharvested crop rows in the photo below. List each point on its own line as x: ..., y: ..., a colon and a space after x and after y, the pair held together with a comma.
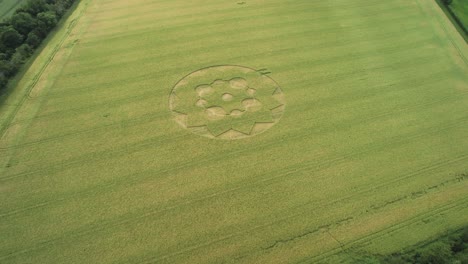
x: 349, y: 197
x: 375, y: 115
x: 73, y: 113
x: 148, y: 142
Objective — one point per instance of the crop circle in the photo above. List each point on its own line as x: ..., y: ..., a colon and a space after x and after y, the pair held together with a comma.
x: 227, y: 102
x: 227, y: 97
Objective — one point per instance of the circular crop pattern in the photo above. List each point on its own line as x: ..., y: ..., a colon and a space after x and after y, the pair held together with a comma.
x: 227, y: 102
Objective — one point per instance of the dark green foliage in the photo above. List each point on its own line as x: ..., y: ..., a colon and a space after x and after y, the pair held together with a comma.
x: 61, y: 6
x: 463, y: 258
x: 24, y: 31
x: 6, y: 69
x: 16, y: 61
x: 47, y: 20
x: 464, y: 235
x: 436, y: 253
x: 25, y: 50
x: 394, y: 259
x: 23, y: 22
x: 11, y: 38
x: 34, y: 7
x: 457, y: 245
x: 3, y: 81
x: 33, y: 39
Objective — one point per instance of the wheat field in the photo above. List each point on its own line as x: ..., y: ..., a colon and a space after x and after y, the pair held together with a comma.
x: 367, y: 151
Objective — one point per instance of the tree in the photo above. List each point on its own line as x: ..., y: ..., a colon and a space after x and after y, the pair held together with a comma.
x: 33, y: 39
x: 23, y: 22
x: 457, y: 244
x: 395, y: 259
x: 17, y: 59
x: 3, y: 82
x: 24, y: 31
x: 61, y: 6
x: 437, y: 253
x: 462, y: 258
x: 11, y: 38
x: 47, y: 20
x: 34, y: 7
x: 6, y: 69
x: 464, y: 235
x: 25, y: 50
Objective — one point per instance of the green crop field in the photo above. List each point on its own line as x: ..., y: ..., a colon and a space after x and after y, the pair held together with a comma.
x: 171, y: 131
x: 7, y: 7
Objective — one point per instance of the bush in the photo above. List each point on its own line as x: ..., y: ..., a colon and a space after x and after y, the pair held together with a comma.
x: 395, y: 259
x: 450, y: 249
x: 25, y: 50
x: 34, y: 7
x: 16, y: 61
x: 33, y: 39
x: 23, y: 22
x: 464, y: 235
x: 6, y: 69
x: 46, y: 20
x: 3, y: 81
x: 11, y: 38
x: 436, y: 253
x: 463, y: 258
x: 61, y: 6
x: 457, y: 245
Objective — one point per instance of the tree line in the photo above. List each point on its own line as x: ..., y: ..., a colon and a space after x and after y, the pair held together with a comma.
x: 24, y: 31
x: 455, y: 19
x: 450, y: 249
